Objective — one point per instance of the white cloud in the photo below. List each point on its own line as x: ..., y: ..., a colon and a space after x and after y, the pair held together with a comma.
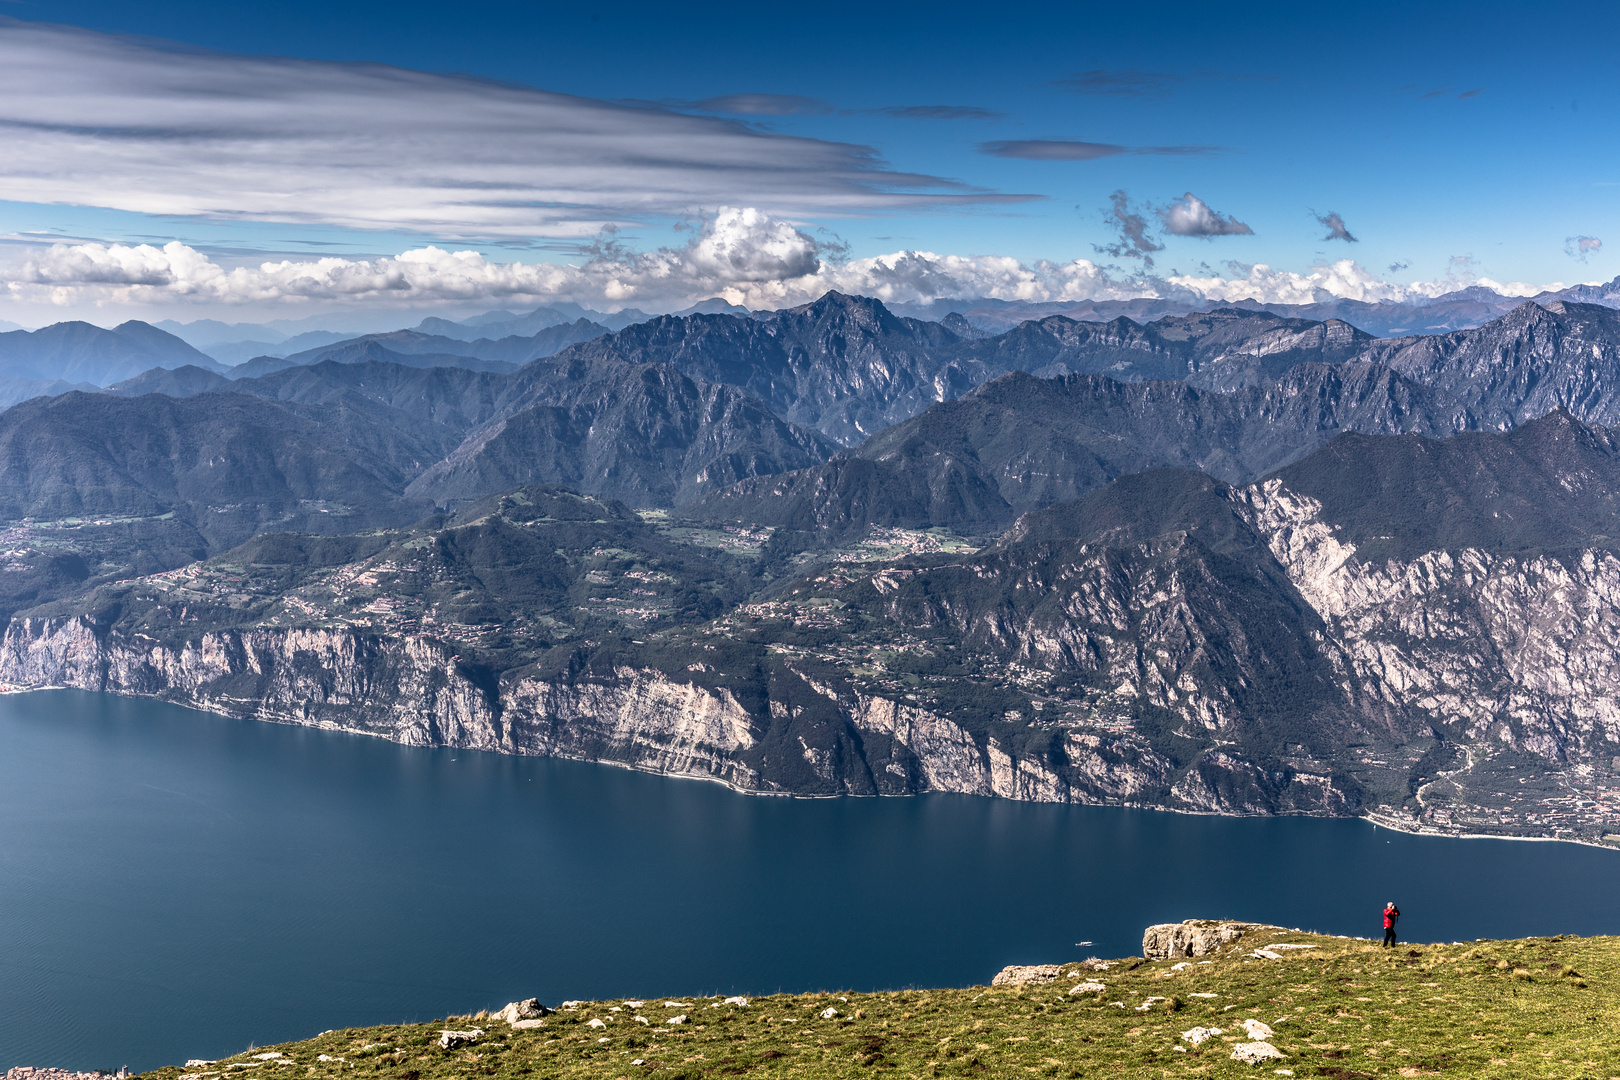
x: 745, y: 255
x: 1579, y: 247
x: 1192, y: 216
x: 98, y: 120
x: 741, y: 251
x: 1345, y: 279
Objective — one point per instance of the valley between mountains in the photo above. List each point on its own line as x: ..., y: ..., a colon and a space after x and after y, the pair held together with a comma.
x: 1227, y: 562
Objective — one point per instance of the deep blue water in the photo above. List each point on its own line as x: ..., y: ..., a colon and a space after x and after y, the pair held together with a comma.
x: 174, y: 884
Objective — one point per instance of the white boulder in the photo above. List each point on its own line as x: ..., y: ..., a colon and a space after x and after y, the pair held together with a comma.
x: 527, y: 1009
x: 1200, y: 1034
x: 449, y: 1040
x: 1257, y: 1030
x: 1256, y: 1053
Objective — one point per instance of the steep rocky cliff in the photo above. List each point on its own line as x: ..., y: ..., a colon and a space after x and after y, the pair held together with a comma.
x: 416, y: 692
x: 1423, y: 630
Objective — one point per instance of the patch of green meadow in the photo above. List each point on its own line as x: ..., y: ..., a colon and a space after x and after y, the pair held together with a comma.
x: 1343, y: 1008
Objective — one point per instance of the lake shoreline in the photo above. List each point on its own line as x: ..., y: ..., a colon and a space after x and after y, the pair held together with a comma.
x: 272, y: 879
x: 213, y: 708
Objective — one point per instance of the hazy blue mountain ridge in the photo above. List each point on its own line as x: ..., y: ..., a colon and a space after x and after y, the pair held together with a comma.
x: 78, y: 352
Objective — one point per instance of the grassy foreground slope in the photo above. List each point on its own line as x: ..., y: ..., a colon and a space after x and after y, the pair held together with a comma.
x: 1540, y: 1007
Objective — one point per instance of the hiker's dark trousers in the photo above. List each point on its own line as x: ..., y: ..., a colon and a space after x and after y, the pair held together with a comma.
x: 1389, y: 935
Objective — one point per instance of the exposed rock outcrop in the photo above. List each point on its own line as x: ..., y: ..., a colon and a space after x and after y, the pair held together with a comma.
x: 527, y: 1009
x: 1194, y: 937
x: 1256, y: 1053
x: 1030, y: 975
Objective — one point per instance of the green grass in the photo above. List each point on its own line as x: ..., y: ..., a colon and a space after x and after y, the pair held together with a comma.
x: 1541, y: 1007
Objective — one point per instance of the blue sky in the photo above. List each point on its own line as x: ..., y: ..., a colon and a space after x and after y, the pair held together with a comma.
x: 1470, y: 140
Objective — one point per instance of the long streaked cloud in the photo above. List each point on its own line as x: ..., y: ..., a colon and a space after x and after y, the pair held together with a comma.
x: 100, y: 120
x: 1078, y: 150
x: 1134, y: 82
x: 754, y: 104
x: 765, y: 105
x: 938, y: 112
x: 746, y: 256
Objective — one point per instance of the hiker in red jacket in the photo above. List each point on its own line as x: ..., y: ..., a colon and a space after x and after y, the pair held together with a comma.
x: 1391, y: 913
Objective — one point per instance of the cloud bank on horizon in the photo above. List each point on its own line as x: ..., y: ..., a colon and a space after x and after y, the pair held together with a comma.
x: 98, y: 120
x: 744, y: 255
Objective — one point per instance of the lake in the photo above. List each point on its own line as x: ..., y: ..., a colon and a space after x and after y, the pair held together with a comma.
x: 175, y: 884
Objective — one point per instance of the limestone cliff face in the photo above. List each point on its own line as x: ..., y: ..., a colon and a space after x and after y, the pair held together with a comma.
x: 642, y: 719
x: 409, y: 690
x: 413, y: 691
x: 1519, y: 650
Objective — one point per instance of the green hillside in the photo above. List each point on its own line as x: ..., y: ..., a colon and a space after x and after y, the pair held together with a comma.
x: 1345, y: 1008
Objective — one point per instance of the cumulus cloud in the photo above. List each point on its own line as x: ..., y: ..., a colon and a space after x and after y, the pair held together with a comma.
x: 1344, y: 279
x: 745, y: 256
x: 735, y: 250
x: 1076, y: 150
x: 100, y: 120
x: 1579, y: 247
x: 1334, y: 224
x: 1191, y: 216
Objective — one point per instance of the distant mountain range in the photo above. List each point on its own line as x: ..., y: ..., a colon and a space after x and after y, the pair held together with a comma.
x: 237, y: 343
x: 1461, y: 309
x: 420, y: 349
x: 77, y: 352
x: 1237, y: 561
x: 971, y: 431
